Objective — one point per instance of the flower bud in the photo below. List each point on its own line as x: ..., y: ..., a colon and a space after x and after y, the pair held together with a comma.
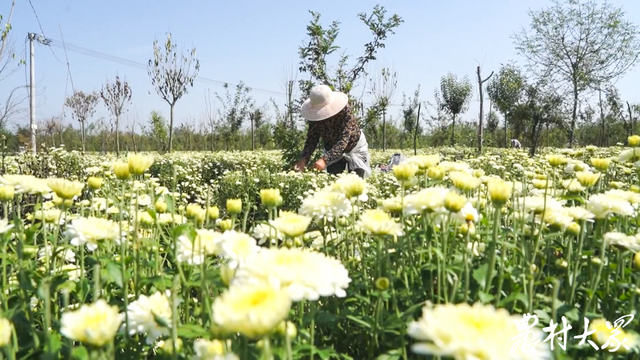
x: 161, y: 206
x: 234, y: 206
x: 213, y: 213
x: 121, y: 169
x: 288, y: 329
x: 95, y: 182
x: 7, y: 193
x: 382, y: 283
x: 225, y: 225
x: 270, y: 197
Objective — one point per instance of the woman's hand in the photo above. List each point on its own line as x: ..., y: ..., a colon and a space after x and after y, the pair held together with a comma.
x: 320, y: 165
x: 299, y: 166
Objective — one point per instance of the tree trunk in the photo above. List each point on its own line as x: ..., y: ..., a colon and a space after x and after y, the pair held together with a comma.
x: 253, y: 139
x: 171, y: 129
x: 602, y: 123
x: 82, y: 135
x: 117, y: 136
x: 574, y: 115
x: 453, y: 130
x: 384, y: 129
x: 506, y: 127
x: 415, y: 132
x: 481, y: 122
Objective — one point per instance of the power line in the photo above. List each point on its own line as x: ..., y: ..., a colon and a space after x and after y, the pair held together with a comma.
x: 138, y: 65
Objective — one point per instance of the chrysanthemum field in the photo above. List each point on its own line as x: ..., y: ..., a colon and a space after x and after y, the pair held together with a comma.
x: 227, y: 256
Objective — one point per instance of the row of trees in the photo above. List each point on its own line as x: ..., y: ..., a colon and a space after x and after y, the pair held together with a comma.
x: 574, y: 50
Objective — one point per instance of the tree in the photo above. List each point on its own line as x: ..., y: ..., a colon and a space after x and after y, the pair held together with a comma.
x: 506, y: 91
x: 172, y: 75
x: 539, y: 107
x: 481, y: 116
x: 115, y: 97
x: 82, y: 106
x: 456, y: 95
x: 313, y: 56
x: 6, y: 46
x: 158, y: 130
x: 383, y: 88
x: 409, y: 110
x: 234, y: 112
x: 12, y: 106
x: 578, y: 45
x: 257, y: 117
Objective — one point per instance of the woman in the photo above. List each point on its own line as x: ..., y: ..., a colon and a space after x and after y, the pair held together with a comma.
x: 344, y: 143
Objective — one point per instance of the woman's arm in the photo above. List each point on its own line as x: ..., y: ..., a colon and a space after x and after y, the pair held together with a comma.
x: 313, y: 136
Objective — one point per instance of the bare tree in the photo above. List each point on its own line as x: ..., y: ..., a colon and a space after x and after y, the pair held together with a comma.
x: 7, y: 55
x: 481, y: 118
x: 383, y: 88
x: 12, y: 106
x: 82, y: 106
x: 172, y: 75
x: 115, y: 97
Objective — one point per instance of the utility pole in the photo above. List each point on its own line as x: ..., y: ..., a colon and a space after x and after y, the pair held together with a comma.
x: 32, y: 86
x: 32, y: 93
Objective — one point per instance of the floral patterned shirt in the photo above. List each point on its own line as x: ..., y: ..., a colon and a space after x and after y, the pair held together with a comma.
x: 340, y: 134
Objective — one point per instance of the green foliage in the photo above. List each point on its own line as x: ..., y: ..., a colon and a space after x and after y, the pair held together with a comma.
x: 455, y: 96
x: 158, y: 130
x: 313, y: 56
x: 579, y: 44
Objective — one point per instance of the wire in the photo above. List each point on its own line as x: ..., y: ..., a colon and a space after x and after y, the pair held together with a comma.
x: 139, y: 65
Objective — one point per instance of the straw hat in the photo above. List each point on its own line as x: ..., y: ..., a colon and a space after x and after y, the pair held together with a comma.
x: 323, y: 103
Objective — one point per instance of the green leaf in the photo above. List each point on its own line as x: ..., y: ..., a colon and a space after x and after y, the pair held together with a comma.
x: 484, y: 297
x: 113, y: 273
x: 359, y: 321
x: 80, y: 353
x: 191, y: 331
x: 480, y: 275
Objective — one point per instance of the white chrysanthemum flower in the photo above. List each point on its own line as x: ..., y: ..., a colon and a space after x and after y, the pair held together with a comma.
x: 212, y: 350
x: 630, y: 196
x: 150, y: 315
x: 538, y: 204
x: 557, y: 219
x: 5, y: 226
x: 467, y: 214
x: 207, y: 242
x: 93, y: 324
x: 630, y: 242
x: 602, y: 205
x: 326, y: 204
x: 251, y: 310
x: 6, y: 329
x: 236, y: 247
x: 66, y: 254
x: 378, y: 222
x: 264, y: 232
x: 291, y: 224
x: 27, y: 184
x: 72, y: 270
x: 305, y: 274
x: 91, y: 231
x: 352, y: 186
x: 426, y: 200
x: 579, y: 213
x: 466, y: 332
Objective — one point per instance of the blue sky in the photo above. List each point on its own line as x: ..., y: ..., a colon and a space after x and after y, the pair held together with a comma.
x: 256, y: 41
